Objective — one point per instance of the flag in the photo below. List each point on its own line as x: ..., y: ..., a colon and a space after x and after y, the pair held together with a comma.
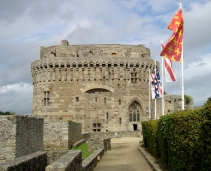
x: 173, y: 48
x: 169, y: 73
x: 156, y: 86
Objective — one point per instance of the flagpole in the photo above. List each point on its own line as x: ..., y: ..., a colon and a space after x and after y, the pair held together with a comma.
x: 163, y: 103
x: 149, y: 97
x: 182, y: 71
x: 155, y: 98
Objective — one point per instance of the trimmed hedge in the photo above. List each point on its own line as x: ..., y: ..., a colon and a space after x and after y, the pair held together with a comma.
x: 182, y: 139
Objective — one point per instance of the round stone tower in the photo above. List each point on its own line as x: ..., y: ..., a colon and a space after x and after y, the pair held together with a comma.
x: 104, y: 87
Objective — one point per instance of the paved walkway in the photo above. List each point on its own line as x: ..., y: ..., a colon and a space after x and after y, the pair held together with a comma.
x: 124, y: 156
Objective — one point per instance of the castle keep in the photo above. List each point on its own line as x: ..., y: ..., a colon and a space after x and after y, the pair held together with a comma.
x: 104, y: 87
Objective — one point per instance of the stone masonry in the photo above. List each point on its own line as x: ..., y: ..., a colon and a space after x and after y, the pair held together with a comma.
x: 104, y: 87
x: 61, y: 135
x: 19, y: 136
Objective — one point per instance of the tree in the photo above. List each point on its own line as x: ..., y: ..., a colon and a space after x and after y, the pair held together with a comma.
x: 7, y: 113
x: 208, y: 101
x: 187, y: 99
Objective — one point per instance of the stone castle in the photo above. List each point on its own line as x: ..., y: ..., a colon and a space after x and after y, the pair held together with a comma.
x: 104, y: 87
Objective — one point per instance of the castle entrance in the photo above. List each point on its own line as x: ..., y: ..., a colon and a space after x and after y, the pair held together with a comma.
x: 135, y: 127
x: 134, y: 116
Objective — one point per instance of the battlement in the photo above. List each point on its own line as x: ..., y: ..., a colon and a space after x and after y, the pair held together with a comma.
x: 94, y: 51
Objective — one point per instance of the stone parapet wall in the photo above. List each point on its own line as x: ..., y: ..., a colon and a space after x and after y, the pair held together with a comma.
x: 19, y: 136
x: 90, y: 162
x: 55, y: 135
x: 97, y: 143
x: 61, y: 135
x: 86, y: 135
x: 36, y: 162
x: 70, y: 161
x: 95, y: 51
x: 117, y: 134
x: 29, y: 135
x: 74, y: 133
x: 52, y: 156
x: 7, y: 138
x: 78, y: 143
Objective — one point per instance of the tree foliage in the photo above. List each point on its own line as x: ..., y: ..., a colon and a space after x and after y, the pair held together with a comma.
x: 208, y: 101
x: 187, y: 99
x: 7, y: 113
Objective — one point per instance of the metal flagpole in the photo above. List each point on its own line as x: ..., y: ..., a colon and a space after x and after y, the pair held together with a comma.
x: 149, y: 96
x: 163, y: 102
x: 155, y: 98
x: 182, y: 68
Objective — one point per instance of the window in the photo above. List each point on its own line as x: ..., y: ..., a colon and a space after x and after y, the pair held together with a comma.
x: 134, y: 113
x: 96, y: 127
x: 133, y: 77
x: 119, y: 102
x: 46, y: 98
x: 104, y: 100
x: 77, y: 99
x: 95, y: 99
x: 107, y: 117
x: 120, y: 120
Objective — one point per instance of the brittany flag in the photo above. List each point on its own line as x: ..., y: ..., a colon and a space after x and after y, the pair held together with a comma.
x: 173, y: 48
x: 156, y: 86
x: 169, y: 72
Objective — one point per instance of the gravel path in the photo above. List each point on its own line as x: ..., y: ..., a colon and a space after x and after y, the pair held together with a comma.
x: 124, y: 156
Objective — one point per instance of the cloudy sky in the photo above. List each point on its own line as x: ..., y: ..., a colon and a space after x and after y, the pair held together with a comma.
x: 25, y: 25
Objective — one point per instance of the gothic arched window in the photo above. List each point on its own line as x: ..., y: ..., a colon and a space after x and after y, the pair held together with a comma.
x: 134, y: 113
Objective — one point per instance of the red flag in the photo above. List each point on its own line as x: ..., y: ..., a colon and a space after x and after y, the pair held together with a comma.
x: 173, y: 49
x: 169, y: 72
x: 176, y: 21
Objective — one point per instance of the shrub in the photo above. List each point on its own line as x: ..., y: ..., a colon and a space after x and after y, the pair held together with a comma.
x: 144, y: 131
x: 183, y: 139
x: 149, y: 135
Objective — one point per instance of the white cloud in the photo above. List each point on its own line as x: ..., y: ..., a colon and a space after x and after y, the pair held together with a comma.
x: 16, y: 98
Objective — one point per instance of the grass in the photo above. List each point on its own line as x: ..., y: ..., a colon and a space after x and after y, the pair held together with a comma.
x: 84, y: 148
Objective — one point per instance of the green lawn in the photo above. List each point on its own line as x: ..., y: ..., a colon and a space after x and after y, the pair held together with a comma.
x: 84, y: 148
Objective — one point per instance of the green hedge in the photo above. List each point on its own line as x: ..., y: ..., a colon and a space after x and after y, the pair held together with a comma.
x: 149, y: 135
x: 144, y: 131
x: 182, y: 139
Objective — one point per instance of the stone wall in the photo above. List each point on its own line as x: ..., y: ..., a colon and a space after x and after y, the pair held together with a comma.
x: 60, y: 135
x: 55, y: 135
x: 35, y: 161
x: 90, y: 162
x: 74, y: 133
x: 19, y: 136
x: 98, y: 143
x: 70, y: 161
x: 173, y: 103
x: 117, y: 134
x: 86, y: 135
x: 52, y: 156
